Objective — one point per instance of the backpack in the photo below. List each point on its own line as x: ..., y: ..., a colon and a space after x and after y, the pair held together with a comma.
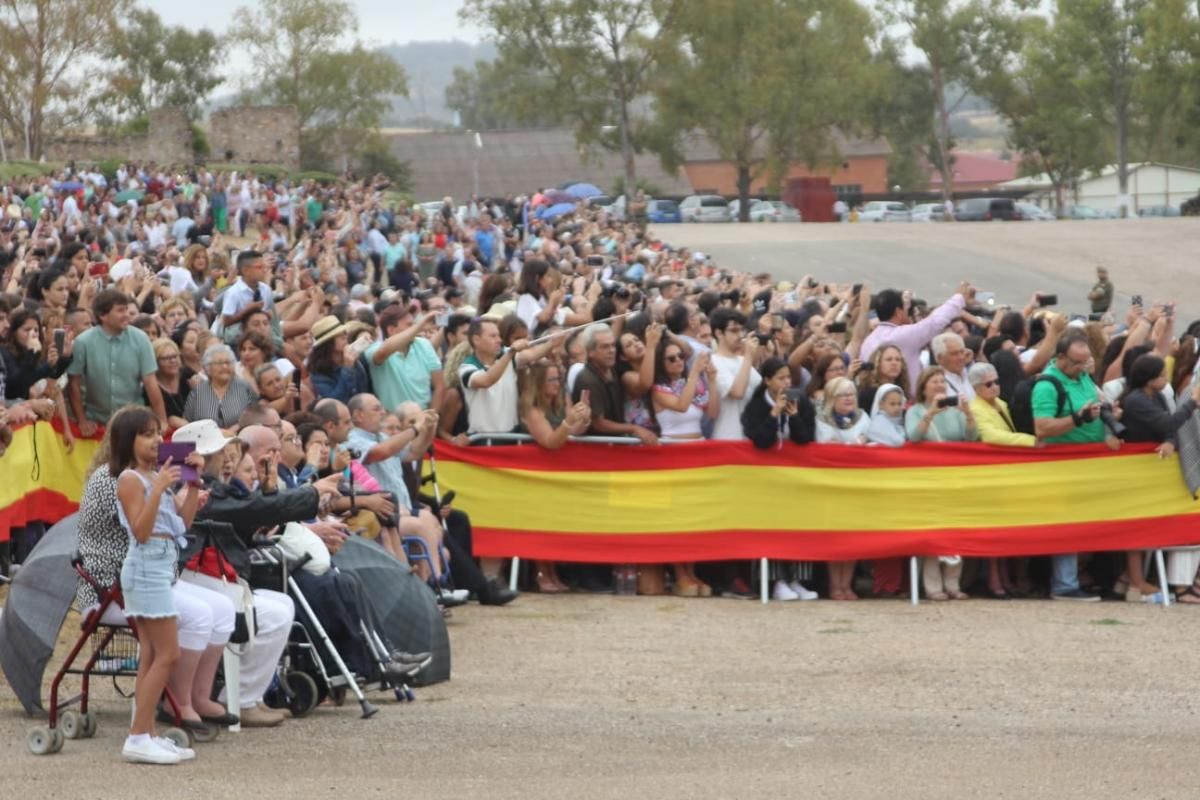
x: 1021, y: 407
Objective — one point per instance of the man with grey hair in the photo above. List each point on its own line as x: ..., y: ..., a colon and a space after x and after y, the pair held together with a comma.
x: 951, y: 355
x: 598, y: 386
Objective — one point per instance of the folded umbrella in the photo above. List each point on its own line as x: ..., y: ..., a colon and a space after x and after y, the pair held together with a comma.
x: 38, y: 600
x: 402, y: 603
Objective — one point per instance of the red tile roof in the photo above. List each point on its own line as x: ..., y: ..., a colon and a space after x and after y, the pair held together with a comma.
x: 978, y: 168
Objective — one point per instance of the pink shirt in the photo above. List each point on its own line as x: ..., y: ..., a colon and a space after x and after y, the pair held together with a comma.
x: 912, y: 339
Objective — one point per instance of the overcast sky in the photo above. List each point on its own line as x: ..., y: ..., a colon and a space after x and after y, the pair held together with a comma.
x: 379, y: 21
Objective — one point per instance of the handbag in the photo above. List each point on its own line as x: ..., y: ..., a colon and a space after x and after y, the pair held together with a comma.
x: 207, y: 565
x: 245, y: 623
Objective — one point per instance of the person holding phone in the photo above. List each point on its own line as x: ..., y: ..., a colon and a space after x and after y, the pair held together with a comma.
x: 157, y: 522
x: 937, y: 415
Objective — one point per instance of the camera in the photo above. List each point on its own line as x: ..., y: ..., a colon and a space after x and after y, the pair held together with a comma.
x: 948, y: 402
x: 595, y: 261
x: 1047, y: 300
x: 354, y: 453
x: 1110, y: 422
x: 837, y: 327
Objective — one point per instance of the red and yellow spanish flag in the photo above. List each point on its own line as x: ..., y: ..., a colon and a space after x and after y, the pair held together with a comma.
x: 726, y: 500
x: 39, y: 479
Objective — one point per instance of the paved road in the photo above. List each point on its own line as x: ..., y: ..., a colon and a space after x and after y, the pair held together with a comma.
x: 1153, y: 257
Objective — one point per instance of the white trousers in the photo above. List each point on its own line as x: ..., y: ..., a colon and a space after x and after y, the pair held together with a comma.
x: 274, y: 612
x: 205, y: 617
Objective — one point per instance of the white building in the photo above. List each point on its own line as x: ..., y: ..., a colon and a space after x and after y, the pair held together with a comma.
x: 1150, y: 184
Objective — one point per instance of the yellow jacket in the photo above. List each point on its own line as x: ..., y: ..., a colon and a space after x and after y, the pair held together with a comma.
x: 994, y: 424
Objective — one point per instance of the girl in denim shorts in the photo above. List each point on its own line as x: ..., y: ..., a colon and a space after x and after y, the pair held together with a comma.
x: 157, y: 521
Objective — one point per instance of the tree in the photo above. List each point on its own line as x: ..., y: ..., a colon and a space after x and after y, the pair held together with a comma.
x: 1049, y: 121
x: 42, y: 47
x: 767, y: 81
x: 1125, y: 50
x: 338, y: 92
x: 495, y: 95
x: 965, y: 43
x: 900, y: 109
x: 601, y: 57
x: 160, y: 66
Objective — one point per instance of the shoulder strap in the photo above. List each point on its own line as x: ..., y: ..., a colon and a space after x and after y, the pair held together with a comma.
x: 1064, y: 399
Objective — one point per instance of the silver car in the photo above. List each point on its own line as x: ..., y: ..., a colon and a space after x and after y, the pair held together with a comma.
x: 928, y: 212
x: 885, y: 211
x: 1030, y: 211
x: 760, y: 211
x: 704, y: 208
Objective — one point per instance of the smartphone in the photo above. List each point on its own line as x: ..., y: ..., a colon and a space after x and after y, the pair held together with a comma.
x: 855, y: 289
x: 60, y: 339
x: 793, y: 395
x: 98, y: 270
x: 1136, y: 300
x: 585, y: 397
x: 1047, y: 300
x: 948, y: 402
x: 866, y: 366
x: 178, y: 453
x: 986, y: 298
x: 837, y: 327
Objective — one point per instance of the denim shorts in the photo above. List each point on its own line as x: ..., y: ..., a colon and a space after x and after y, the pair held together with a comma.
x: 147, y: 578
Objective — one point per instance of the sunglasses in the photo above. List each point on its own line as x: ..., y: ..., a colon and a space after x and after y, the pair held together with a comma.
x: 672, y: 359
x: 990, y: 384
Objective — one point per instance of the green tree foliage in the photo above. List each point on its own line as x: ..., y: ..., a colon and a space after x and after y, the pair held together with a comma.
x: 767, y: 81
x: 43, y: 46
x: 340, y: 93
x: 964, y: 43
x: 157, y: 66
x: 601, y: 57
x: 496, y: 95
x: 377, y: 159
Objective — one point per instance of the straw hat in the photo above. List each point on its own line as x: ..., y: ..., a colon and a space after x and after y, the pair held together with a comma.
x: 326, y: 329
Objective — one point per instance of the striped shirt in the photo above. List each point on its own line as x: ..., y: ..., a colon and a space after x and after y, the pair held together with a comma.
x: 203, y: 403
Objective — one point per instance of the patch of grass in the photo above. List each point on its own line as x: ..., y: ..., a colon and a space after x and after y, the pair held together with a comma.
x: 836, y: 630
x: 1109, y: 621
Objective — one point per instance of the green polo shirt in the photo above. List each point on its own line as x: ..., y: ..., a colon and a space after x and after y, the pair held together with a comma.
x: 1080, y: 392
x: 111, y: 369
x: 404, y: 377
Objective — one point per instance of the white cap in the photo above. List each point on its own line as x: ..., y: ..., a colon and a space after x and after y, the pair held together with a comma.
x: 205, y: 434
x: 121, y: 270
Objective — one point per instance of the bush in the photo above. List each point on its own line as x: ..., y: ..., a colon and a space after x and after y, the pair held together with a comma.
x: 108, y: 168
x: 200, y: 147
x: 24, y: 169
x: 317, y: 175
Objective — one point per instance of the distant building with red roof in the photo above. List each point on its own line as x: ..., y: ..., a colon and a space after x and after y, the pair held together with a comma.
x: 977, y: 171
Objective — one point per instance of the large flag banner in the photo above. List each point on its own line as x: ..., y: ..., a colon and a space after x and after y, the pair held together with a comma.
x: 726, y: 500
x: 40, y: 480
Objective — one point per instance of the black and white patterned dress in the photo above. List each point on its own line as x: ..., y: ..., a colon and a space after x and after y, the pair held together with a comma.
x: 102, y: 541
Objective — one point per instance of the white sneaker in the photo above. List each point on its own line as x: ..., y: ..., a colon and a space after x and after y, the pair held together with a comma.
x: 784, y: 592
x: 149, y: 753
x: 801, y: 592
x: 184, y: 753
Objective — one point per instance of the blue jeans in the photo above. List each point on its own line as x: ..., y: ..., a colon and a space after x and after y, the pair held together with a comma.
x: 1065, y: 578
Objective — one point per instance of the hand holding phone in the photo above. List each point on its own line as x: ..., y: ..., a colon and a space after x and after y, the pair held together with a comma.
x: 948, y: 402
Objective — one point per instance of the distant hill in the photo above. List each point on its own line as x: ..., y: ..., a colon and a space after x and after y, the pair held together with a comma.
x: 430, y: 67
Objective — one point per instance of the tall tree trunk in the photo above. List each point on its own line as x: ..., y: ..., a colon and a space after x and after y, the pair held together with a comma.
x: 627, y: 150
x: 943, y: 136
x: 743, y: 188
x: 1123, y: 156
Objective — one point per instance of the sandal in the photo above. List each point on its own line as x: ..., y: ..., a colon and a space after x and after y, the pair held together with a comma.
x: 939, y: 596
x: 1189, y: 597
x: 959, y: 596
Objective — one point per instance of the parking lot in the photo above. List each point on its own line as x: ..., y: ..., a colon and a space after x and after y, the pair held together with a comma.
x: 1152, y: 257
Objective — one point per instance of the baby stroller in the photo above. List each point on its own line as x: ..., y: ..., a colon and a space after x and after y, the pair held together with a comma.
x: 114, y: 653
x: 312, y: 669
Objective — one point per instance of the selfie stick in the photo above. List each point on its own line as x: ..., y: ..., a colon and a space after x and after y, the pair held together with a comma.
x: 566, y: 331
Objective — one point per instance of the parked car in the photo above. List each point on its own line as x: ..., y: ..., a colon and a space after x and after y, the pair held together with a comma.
x: 885, y: 211
x: 1158, y: 211
x: 987, y: 209
x: 615, y: 208
x: 704, y: 208
x: 660, y: 211
x: 928, y: 212
x: 786, y: 212
x: 1083, y: 212
x: 1035, y: 213
x: 431, y: 208
x: 760, y: 211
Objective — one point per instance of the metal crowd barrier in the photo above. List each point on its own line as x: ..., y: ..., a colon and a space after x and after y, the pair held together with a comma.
x: 489, y: 439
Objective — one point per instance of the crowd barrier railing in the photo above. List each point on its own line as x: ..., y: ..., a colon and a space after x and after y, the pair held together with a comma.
x: 600, y: 500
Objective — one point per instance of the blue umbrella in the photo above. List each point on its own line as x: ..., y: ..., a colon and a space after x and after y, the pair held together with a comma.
x: 69, y: 186
x: 583, y: 191
x: 556, y: 211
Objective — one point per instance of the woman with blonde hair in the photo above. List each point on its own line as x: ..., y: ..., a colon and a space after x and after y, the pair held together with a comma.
x: 452, y: 416
x: 546, y: 417
x: 174, y: 379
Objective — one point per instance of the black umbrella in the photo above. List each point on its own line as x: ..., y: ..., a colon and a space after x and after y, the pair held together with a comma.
x: 38, y: 600
x: 404, y: 606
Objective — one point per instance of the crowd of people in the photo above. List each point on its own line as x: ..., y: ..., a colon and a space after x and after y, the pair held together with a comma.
x: 299, y: 332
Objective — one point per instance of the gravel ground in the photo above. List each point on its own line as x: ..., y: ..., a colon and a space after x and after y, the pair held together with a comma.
x: 604, y: 697
x: 1151, y: 257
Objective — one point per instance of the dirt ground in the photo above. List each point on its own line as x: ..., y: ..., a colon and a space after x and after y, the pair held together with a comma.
x: 605, y: 697
x: 1151, y: 257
